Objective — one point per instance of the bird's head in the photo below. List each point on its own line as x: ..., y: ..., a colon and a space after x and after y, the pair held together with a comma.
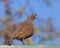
x: 32, y: 17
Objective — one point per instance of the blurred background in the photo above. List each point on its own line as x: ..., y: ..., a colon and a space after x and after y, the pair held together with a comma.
x: 46, y: 26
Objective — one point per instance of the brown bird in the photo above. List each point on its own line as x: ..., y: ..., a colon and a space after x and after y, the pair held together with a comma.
x: 24, y: 30
x: 8, y: 32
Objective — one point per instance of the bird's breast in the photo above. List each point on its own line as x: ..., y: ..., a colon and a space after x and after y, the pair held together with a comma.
x: 26, y: 31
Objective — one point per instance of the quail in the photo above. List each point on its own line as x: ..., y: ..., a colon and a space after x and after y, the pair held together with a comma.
x: 24, y: 30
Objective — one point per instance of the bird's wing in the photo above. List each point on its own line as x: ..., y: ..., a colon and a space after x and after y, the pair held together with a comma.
x: 19, y: 27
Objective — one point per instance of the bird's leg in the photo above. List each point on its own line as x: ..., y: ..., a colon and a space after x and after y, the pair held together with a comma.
x: 22, y: 42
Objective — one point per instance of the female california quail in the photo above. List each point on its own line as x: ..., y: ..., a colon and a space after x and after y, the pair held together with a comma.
x: 26, y: 29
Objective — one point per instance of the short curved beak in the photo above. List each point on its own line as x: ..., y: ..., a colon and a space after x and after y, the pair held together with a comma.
x: 35, y: 16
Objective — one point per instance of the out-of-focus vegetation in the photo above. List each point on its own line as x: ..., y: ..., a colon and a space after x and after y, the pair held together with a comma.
x: 46, y: 28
